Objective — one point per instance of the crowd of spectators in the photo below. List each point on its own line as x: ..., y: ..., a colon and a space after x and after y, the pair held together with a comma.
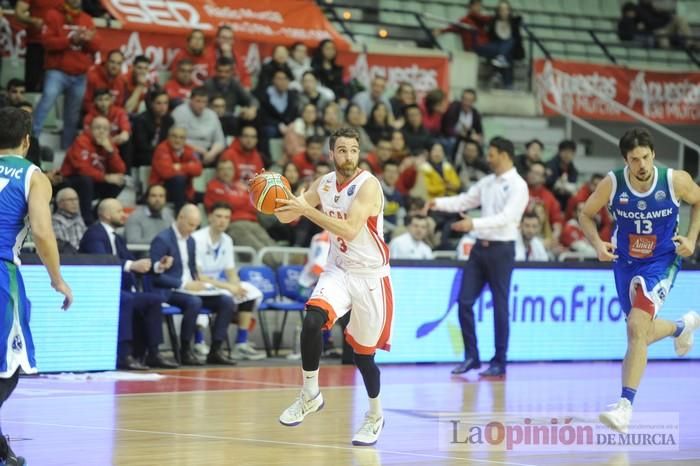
x: 213, y: 116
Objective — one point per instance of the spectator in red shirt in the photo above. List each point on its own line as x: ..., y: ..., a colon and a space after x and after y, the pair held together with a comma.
x: 227, y: 187
x: 538, y: 192
x: 605, y: 222
x: 195, y: 53
x: 139, y: 81
x: 180, y: 85
x: 32, y: 13
x: 472, y: 28
x: 174, y: 166
x: 107, y: 75
x: 573, y: 238
x: 223, y: 46
x: 433, y: 108
x: 103, y: 105
x: 93, y: 167
x: 70, y: 40
x: 306, y: 161
x: 120, y: 127
x: 244, y: 154
x: 381, y: 155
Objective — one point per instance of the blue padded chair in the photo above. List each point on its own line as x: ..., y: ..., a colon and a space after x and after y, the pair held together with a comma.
x: 263, y: 278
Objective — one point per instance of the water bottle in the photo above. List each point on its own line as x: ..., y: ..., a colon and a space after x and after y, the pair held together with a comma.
x: 296, y: 346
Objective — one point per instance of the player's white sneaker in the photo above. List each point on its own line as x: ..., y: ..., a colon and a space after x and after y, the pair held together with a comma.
x: 684, y: 342
x: 369, y: 431
x: 302, y: 406
x: 618, y: 418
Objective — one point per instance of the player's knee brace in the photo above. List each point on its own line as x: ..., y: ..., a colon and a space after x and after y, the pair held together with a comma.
x: 315, y: 319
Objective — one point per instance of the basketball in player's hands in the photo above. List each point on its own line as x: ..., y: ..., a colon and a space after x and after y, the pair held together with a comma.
x: 266, y: 188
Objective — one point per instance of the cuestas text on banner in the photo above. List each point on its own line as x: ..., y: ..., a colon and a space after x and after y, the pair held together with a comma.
x: 587, y: 89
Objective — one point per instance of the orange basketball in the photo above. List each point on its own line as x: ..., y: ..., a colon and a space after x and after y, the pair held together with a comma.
x: 266, y: 188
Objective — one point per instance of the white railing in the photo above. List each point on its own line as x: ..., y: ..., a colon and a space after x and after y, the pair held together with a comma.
x: 285, y: 251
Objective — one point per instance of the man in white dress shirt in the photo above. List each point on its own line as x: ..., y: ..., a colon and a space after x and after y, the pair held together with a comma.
x: 503, y: 197
x: 529, y: 247
x: 216, y: 266
x: 411, y: 245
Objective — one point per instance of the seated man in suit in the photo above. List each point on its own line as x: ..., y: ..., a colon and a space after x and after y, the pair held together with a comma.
x: 100, y: 238
x: 180, y: 286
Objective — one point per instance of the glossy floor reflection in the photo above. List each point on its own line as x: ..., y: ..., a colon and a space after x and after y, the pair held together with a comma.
x: 229, y: 416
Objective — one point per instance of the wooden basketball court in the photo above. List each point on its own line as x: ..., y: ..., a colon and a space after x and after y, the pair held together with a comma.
x: 229, y: 416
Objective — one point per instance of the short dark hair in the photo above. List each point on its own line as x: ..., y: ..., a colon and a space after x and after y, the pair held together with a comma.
x: 224, y: 27
x: 633, y: 138
x: 315, y: 139
x: 410, y: 218
x: 193, y: 32
x: 213, y: 97
x: 415, y: 203
x: 503, y: 145
x: 323, y: 163
x: 150, y: 188
x: 199, y: 91
x: 534, y: 141
x: 220, y: 205
x: 309, y: 72
x: 247, y: 125
x: 530, y: 214
x: 284, y: 71
x: 597, y: 176
x: 15, y: 125
x: 390, y: 162
x: 224, y: 61
x: 409, y: 107
x: 567, y: 144
x: 471, y: 91
x: 142, y: 59
x: 15, y: 82
x: 100, y: 92
x: 344, y: 132
x: 295, y: 45
x: 154, y: 93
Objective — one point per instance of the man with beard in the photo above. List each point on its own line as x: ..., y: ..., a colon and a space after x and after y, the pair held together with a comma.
x: 146, y: 222
x: 647, y: 249
x: 101, y: 238
x: 356, y: 276
x: 503, y: 197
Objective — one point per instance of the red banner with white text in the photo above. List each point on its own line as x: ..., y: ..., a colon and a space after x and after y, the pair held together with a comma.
x: 424, y: 72
x: 265, y: 21
x: 586, y: 90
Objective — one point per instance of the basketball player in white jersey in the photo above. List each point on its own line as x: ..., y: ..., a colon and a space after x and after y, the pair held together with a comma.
x: 356, y: 276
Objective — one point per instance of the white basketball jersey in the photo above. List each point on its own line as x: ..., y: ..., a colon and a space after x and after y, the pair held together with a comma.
x: 367, y: 252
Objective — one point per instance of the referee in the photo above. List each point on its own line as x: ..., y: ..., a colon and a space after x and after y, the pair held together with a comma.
x: 503, y: 197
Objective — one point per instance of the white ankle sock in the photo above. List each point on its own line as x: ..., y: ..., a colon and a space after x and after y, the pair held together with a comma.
x: 375, y: 407
x: 310, y: 387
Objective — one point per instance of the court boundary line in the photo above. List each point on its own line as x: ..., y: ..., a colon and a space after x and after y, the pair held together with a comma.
x: 263, y: 441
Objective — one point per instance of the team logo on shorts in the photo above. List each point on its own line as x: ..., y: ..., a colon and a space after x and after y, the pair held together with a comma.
x: 660, y: 195
x: 641, y: 205
x: 336, y: 198
x: 661, y: 294
x: 17, y: 344
x: 351, y: 190
x: 624, y: 199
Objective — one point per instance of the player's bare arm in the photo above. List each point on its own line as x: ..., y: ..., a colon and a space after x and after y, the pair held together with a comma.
x: 290, y: 212
x: 594, y: 203
x: 687, y: 191
x: 42, y: 232
x: 367, y: 204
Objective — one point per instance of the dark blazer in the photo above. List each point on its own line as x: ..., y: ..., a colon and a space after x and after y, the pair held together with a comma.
x: 518, y: 52
x: 165, y: 244
x: 143, y: 135
x: 95, y: 240
x: 270, y: 116
x: 451, y: 117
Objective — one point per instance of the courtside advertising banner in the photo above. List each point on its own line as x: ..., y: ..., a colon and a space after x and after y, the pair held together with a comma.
x: 586, y: 90
x: 556, y: 314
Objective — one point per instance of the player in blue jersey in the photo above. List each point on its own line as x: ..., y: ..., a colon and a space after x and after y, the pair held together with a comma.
x: 25, y: 196
x: 647, y: 250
